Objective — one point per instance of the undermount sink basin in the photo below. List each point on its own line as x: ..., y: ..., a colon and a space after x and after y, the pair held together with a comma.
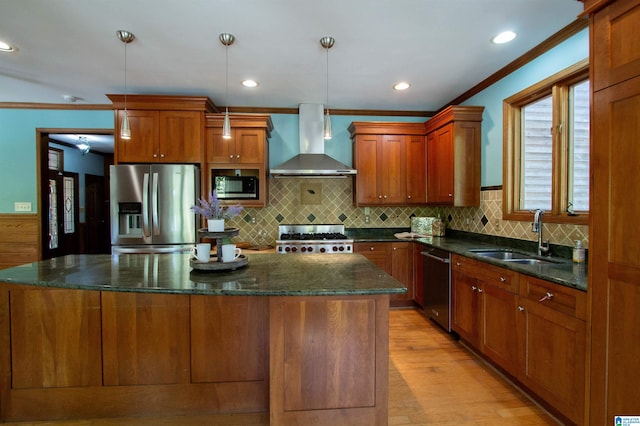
x: 511, y: 256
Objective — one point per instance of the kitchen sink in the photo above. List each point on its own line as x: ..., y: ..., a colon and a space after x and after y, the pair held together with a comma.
x: 512, y: 257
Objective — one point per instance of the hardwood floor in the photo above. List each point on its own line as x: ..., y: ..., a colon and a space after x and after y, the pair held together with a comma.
x: 433, y: 380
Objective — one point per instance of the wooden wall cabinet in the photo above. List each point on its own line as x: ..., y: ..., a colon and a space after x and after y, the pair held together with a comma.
x: 164, y: 129
x: 396, y: 259
x: 453, y: 156
x: 390, y: 161
x: 246, y: 152
x: 614, y: 254
x: 533, y: 329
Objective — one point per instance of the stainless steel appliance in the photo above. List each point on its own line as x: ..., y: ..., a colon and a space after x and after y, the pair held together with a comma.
x: 436, y: 265
x: 313, y: 239
x: 151, y: 207
x: 236, y: 187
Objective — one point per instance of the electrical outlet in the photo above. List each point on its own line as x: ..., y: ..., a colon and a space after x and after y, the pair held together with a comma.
x: 22, y: 206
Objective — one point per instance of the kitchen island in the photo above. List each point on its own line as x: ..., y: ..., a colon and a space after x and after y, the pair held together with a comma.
x: 302, y: 337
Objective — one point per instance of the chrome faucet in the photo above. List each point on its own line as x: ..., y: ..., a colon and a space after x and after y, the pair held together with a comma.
x: 536, y: 226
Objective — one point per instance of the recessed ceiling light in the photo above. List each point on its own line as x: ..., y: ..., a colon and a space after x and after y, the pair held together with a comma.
x: 6, y: 47
x: 504, y: 37
x: 249, y: 83
x: 403, y: 85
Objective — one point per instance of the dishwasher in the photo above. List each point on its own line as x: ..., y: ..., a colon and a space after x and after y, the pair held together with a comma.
x: 437, y: 286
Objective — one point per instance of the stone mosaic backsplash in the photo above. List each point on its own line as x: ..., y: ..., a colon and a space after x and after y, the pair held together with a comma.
x: 330, y: 200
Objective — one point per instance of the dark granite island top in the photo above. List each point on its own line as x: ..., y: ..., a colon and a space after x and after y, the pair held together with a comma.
x: 265, y: 275
x: 305, y: 338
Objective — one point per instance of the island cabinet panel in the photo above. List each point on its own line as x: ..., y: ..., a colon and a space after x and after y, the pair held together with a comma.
x: 145, y: 338
x: 328, y: 360
x: 55, y: 339
x: 229, y: 339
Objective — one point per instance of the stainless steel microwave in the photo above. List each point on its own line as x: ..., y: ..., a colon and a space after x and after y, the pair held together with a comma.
x: 236, y: 187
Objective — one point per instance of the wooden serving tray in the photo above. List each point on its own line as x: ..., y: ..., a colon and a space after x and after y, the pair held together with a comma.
x: 214, y: 265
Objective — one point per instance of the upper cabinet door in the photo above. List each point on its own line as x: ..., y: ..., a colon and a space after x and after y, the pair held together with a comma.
x: 440, y: 166
x: 180, y: 138
x: 616, y: 56
x: 249, y: 146
x: 416, y: 169
x: 393, y: 170
x: 365, y: 154
x: 143, y: 145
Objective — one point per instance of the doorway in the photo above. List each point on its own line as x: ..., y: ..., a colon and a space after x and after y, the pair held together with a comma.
x: 68, y: 226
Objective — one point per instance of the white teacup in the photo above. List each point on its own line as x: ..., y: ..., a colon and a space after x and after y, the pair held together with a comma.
x: 230, y: 252
x: 201, y: 251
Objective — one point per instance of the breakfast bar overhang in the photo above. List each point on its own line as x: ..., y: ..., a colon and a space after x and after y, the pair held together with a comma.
x: 304, y: 338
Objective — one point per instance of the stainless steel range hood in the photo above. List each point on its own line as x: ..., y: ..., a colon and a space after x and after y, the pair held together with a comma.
x: 312, y: 161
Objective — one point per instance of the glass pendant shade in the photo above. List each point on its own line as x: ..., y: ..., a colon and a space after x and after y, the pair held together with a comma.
x: 327, y: 126
x: 226, y: 125
x: 125, y: 130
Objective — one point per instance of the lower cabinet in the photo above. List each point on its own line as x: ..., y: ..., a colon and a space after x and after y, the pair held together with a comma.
x: 533, y: 329
x: 396, y: 259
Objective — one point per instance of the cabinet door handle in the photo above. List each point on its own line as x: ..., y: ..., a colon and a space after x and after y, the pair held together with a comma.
x: 371, y: 248
x: 231, y: 156
x: 502, y: 279
x: 409, y: 196
x: 520, y: 308
x: 161, y: 155
x: 155, y: 155
x: 450, y: 195
x: 479, y: 290
x: 380, y: 196
x: 458, y: 263
x: 547, y: 296
x: 474, y: 288
x: 385, y: 197
x: 238, y: 156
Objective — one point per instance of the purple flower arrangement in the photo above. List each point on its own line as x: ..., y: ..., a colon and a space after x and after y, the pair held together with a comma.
x: 212, y: 209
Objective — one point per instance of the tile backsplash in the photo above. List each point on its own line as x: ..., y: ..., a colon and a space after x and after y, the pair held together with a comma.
x: 333, y: 203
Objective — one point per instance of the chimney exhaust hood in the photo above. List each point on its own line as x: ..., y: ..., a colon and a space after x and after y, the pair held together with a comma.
x: 312, y: 161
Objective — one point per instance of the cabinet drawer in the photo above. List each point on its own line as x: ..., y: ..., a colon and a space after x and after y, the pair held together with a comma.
x: 555, y: 296
x: 496, y: 275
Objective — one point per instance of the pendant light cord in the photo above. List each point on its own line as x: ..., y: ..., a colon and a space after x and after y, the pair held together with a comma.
x: 227, y: 76
x: 125, y: 77
x: 327, y: 79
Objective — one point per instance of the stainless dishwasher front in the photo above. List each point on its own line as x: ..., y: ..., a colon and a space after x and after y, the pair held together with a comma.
x: 437, y: 286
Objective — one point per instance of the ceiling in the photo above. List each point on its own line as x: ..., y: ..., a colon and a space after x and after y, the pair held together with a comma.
x: 69, y: 48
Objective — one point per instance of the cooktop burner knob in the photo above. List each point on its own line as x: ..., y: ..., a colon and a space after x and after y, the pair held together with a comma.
x: 287, y: 249
x: 294, y: 249
x: 303, y: 249
x: 334, y: 248
x: 341, y: 248
x: 310, y: 249
x: 322, y: 250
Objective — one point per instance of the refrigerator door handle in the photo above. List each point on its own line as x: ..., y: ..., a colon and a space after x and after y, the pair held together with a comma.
x: 154, y: 205
x: 145, y: 205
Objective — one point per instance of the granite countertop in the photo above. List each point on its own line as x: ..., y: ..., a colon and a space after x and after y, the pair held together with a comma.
x: 562, y: 271
x: 264, y: 275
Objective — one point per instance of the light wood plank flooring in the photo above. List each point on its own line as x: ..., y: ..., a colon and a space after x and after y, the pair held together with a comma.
x: 433, y: 380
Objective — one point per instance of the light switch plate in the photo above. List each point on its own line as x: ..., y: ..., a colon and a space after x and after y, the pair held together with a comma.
x: 22, y: 206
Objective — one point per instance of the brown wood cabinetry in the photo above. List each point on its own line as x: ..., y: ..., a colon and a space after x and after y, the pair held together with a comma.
x: 325, y: 375
x: 145, y: 339
x: 396, y: 259
x: 553, y: 344
x: 453, y: 156
x: 55, y: 339
x: 246, y: 152
x: 533, y: 329
x: 484, y: 305
x: 390, y: 161
x: 164, y: 129
x: 418, y: 275
x: 614, y: 252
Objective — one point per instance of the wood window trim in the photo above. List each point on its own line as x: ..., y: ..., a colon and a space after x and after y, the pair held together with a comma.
x: 556, y: 85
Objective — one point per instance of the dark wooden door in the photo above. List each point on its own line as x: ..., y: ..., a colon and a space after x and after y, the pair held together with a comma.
x: 97, y: 238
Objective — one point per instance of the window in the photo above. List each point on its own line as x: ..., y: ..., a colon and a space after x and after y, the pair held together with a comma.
x: 546, y: 149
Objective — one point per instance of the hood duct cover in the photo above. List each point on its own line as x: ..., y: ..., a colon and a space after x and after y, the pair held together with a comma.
x: 312, y: 161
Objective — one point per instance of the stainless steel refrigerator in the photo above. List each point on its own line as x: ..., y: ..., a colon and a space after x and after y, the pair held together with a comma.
x: 151, y: 207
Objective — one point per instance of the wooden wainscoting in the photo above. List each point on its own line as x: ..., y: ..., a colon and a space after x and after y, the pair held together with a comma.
x: 19, y: 242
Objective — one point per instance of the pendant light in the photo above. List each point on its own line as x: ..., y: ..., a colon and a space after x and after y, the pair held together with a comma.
x: 126, y: 37
x: 327, y: 43
x: 227, y: 40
